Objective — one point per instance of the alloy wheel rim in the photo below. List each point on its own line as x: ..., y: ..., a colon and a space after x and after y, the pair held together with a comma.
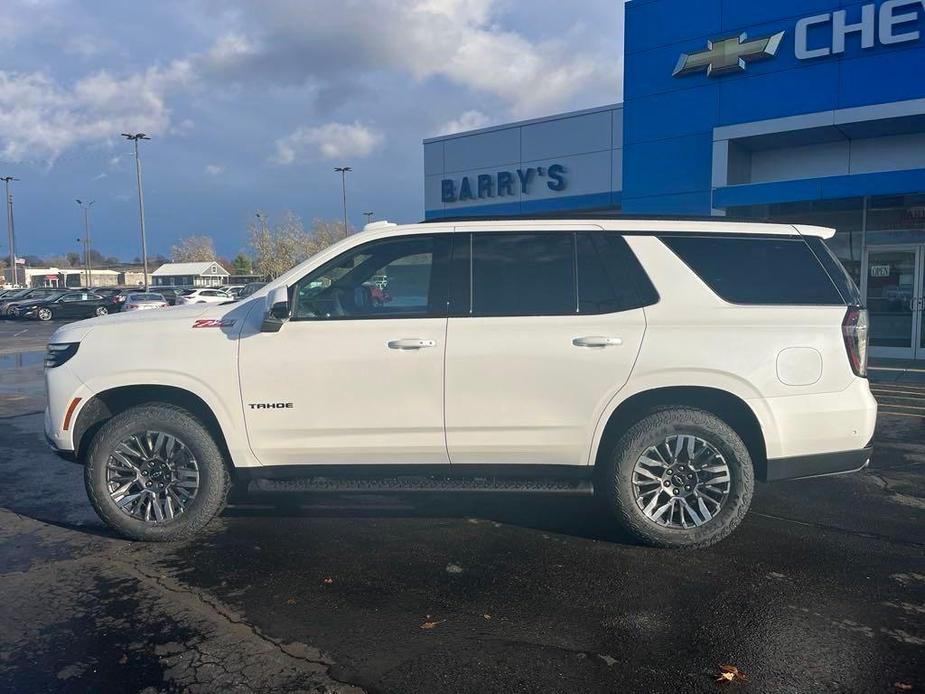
x: 101, y: 311
x: 44, y: 314
x: 152, y: 476
x: 682, y: 482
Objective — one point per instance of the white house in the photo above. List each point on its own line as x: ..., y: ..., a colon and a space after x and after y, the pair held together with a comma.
x: 209, y: 274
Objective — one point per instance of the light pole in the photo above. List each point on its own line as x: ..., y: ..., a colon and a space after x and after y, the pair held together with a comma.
x: 369, y: 216
x: 86, y: 210
x: 9, y: 227
x: 141, y: 201
x: 342, y: 170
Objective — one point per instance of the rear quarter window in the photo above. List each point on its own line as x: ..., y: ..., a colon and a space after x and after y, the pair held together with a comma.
x: 757, y: 270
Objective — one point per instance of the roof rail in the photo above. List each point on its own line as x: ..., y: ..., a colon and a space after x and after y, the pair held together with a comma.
x: 590, y: 215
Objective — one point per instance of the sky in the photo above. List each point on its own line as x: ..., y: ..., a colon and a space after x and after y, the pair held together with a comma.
x: 251, y: 105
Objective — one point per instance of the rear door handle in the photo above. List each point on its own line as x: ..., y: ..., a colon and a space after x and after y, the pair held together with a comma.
x: 597, y: 341
x: 412, y: 343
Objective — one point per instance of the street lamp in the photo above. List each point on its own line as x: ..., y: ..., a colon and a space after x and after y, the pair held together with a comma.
x: 342, y: 170
x: 10, y: 229
x: 141, y: 200
x: 369, y: 216
x: 86, y: 210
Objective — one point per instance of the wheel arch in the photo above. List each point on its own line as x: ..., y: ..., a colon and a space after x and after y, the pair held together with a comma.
x: 104, y: 405
x: 727, y: 406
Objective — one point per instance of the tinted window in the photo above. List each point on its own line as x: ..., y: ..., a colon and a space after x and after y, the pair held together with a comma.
x: 390, y: 278
x: 610, y: 278
x: 839, y: 274
x: 523, y: 274
x: 750, y: 270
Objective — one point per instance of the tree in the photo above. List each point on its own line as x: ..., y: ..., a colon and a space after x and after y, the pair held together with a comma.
x: 58, y: 261
x: 242, y: 264
x: 113, y: 260
x: 73, y: 258
x: 287, y: 244
x: 193, y: 249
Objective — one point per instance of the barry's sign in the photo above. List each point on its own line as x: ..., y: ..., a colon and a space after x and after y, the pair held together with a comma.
x: 503, y: 183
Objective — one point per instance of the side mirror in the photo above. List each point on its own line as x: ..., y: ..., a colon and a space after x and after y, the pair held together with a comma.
x: 278, y: 312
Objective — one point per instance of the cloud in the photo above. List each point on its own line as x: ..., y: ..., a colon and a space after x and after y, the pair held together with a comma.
x: 330, y: 141
x: 100, y: 176
x: 470, y: 120
x: 214, y: 169
x: 40, y: 118
x: 314, y: 42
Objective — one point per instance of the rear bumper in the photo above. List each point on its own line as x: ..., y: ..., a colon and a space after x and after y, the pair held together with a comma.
x: 818, y: 465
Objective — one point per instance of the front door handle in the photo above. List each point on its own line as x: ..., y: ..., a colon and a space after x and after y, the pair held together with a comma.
x: 412, y: 343
x: 597, y: 341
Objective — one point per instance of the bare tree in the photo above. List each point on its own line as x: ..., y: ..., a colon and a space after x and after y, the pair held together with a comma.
x: 287, y: 244
x: 193, y: 249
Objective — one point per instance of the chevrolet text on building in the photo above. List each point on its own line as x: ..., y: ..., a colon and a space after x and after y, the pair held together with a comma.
x: 818, y: 36
x: 502, y: 183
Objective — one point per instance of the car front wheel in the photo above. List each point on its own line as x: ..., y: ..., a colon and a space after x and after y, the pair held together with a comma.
x: 680, y: 477
x: 44, y: 314
x: 155, y: 473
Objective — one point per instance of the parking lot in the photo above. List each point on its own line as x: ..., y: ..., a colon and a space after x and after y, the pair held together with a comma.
x: 821, y: 589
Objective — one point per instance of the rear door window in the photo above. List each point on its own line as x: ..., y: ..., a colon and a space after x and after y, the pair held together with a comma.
x: 757, y: 270
x: 610, y: 278
x: 530, y: 274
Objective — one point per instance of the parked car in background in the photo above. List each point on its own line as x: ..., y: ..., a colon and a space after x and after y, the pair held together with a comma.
x: 140, y: 301
x: 250, y: 289
x: 36, y: 294
x: 170, y: 294
x: 233, y: 289
x: 80, y: 304
x: 203, y: 296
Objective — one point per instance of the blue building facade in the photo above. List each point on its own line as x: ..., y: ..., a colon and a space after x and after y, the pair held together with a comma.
x: 796, y: 110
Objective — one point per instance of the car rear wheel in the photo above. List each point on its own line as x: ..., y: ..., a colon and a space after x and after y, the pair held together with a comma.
x: 44, y: 314
x: 155, y: 473
x: 101, y: 311
x: 680, y: 477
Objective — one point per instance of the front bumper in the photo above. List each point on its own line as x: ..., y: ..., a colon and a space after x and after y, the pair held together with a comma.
x: 818, y: 465
x: 69, y: 456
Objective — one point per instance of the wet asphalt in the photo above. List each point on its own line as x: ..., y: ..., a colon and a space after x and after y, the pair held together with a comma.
x: 821, y: 589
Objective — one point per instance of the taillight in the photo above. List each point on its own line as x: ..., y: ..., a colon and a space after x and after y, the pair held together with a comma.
x: 854, y: 329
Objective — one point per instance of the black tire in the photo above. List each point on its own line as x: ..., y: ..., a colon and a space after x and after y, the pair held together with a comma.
x: 45, y: 314
x: 616, y: 477
x: 214, y: 480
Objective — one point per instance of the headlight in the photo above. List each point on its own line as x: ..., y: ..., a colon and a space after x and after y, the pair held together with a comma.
x: 60, y: 353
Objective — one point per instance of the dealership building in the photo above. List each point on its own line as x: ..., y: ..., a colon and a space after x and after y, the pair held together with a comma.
x: 807, y: 111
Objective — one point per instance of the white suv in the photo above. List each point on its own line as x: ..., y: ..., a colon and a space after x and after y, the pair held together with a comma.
x: 663, y: 365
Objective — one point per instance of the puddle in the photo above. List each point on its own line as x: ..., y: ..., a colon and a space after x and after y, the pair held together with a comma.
x: 19, y: 360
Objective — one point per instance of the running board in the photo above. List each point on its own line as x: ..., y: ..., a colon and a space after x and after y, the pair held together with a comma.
x: 425, y: 484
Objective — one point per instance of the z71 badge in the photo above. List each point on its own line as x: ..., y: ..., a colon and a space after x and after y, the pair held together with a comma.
x: 214, y: 323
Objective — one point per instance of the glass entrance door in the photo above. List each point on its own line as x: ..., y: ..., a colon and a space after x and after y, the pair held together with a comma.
x: 894, y: 285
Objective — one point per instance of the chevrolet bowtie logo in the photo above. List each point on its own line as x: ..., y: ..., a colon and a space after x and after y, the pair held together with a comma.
x: 728, y: 55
